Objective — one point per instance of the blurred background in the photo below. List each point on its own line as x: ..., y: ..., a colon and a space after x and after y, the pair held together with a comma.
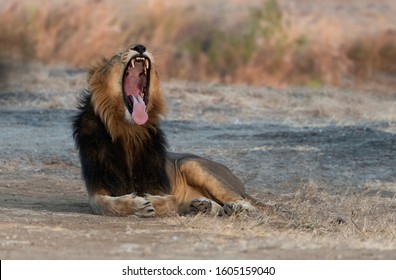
x: 277, y: 43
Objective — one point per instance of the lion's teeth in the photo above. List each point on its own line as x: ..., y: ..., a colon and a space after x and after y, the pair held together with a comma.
x: 140, y: 59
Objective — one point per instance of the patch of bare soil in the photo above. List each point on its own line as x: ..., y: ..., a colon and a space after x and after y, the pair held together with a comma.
x: 322, y: 161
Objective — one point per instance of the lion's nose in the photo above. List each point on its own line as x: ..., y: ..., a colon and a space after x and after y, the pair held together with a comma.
x: 139, y: 48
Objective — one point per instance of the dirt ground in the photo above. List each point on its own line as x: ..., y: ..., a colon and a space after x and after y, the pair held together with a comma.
x: 323, y: 161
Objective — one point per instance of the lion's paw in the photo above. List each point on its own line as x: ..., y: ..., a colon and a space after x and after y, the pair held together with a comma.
x: 143, y: 208
x: 205, y: 206
x: 231, y: 208
x: 200, y: 205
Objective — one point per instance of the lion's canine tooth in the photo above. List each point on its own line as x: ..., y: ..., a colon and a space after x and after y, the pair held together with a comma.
x: 146, y: 62
x: 133, y: 63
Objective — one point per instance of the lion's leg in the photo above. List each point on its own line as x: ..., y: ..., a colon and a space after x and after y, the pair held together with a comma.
x: 104, y: 204
x: 215, y: 182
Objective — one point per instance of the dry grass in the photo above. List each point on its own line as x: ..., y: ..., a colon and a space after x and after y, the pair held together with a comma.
x: 356, y: 216
x: 265, y: 42
x: 311, y: 217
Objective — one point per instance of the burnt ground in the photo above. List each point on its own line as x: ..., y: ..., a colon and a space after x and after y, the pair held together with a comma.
x: 323, y: 161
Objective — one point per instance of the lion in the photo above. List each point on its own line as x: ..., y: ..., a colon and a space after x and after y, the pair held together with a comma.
x: 124, y: 161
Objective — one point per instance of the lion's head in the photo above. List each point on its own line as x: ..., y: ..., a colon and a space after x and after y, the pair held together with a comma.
x: 125, y: 89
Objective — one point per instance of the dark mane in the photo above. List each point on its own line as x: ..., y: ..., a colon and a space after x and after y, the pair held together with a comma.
x: 103, y: 160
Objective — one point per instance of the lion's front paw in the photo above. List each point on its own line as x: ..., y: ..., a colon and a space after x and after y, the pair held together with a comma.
x: 143, y: 208
x: 163, y: 204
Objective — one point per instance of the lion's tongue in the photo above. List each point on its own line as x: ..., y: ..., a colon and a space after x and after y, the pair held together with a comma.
x: 132, y: 88
x: 139, y: 114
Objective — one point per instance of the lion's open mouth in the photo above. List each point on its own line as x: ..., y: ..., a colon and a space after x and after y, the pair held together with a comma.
x: 135, y: 84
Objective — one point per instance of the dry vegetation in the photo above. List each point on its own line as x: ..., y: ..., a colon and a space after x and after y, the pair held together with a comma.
x: 307, y: 219
x: 348, y: 216
x: 266, y: 42
x: 313, y: 218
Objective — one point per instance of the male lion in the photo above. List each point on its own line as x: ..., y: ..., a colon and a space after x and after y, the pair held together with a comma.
x: 125, y: 165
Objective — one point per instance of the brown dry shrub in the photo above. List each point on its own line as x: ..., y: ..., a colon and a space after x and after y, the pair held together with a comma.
x: 257, y: 43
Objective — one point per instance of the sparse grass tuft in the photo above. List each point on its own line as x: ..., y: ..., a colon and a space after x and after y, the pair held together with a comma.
x: 348, y: 216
